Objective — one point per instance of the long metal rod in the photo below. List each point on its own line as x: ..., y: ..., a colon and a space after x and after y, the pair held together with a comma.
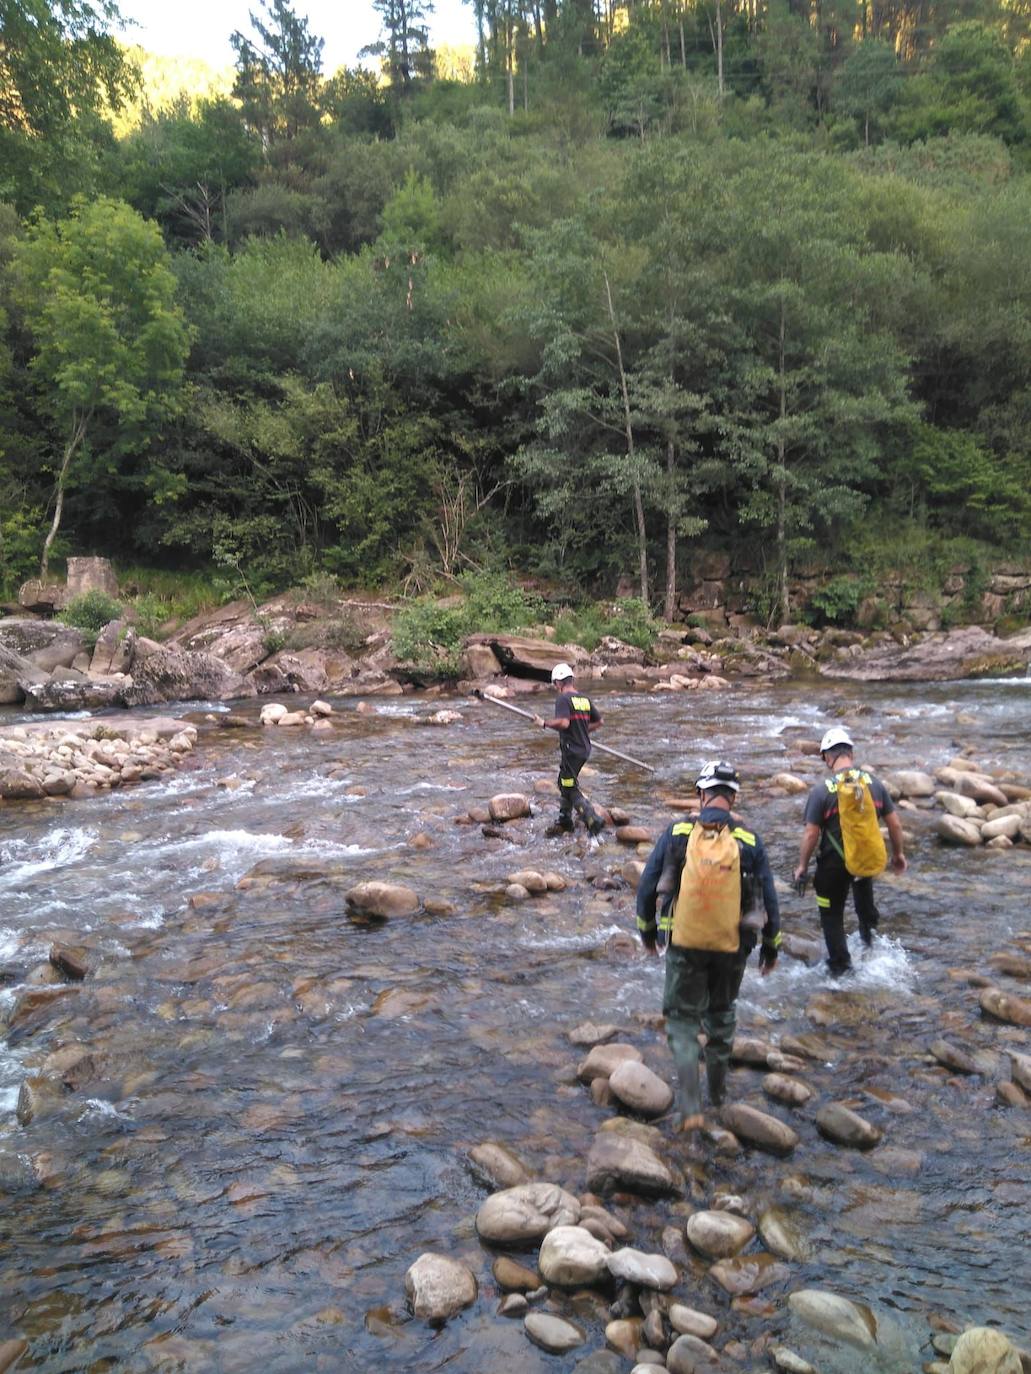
x: 605, y: 749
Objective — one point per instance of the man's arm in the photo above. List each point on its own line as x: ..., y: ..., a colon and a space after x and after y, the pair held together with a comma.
x: 770, y: 947
x: 899, y: 863
x: 810, y: 839
x: 646, y: 894
x: 560, y: 721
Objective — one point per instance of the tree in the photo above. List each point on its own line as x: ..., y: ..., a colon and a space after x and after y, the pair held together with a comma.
x: 98, y: 296
x: 405, y: 45
x: 279, y: 77
x: 868, y: 83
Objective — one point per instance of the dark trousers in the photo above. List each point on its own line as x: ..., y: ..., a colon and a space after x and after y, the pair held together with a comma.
x: 570, y: 797
x: 831, y: 883
x: 700, y: 993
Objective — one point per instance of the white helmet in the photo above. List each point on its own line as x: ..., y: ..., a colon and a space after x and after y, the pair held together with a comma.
x: 836, y: 736
x: 561, y: 672
x: 717, y: 774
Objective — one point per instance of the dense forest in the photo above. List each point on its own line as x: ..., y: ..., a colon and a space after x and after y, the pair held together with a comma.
x: 660, y: 275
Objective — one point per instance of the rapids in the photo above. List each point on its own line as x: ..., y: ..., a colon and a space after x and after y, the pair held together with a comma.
x: 285, y: 1096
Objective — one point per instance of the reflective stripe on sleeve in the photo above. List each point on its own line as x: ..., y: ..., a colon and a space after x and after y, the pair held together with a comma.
x: 823, y: 901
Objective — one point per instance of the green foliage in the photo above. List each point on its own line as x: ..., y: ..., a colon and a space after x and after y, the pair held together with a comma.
x: 343, y: 630
x: 428, y: 633
x: 838, y: 600
x: 628, y: 619
x: 90, y: 612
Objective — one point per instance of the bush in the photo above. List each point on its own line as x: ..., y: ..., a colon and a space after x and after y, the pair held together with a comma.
x: 838, y: 601
x: 628, y: 619
x: 90, y: 612
x: 429, y: 635
x: 343, y: 631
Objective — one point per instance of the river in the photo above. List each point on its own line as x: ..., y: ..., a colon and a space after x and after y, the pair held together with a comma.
x: 284, y: 1097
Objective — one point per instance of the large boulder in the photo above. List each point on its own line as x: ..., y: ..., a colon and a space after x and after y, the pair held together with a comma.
x: 46, y: 643
x: 16, y: 671
x: 571, y: 1256
x: 68, y: 690
x: 16, y: 784
x: 231, y: 633
x: 957, y: 830
x: 620, y: 1162
x: 114, y: 649
x: 174, y: 674
x: 516, y: 1216
x: 966, y: 652
x: 438, y: 1287
x: 524, y: 657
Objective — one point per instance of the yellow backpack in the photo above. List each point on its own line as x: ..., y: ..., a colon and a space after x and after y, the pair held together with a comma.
x: 708, y: 908
x: 864, y: 853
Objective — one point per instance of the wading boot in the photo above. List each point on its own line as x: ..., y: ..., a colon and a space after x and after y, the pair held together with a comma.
x: 716, y: 1075
x: 560, y: 827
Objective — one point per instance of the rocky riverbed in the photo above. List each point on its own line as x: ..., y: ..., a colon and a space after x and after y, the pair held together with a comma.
x: 278, y: 1028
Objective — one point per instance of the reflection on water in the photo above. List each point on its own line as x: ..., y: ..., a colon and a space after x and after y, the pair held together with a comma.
x: 280, y: 1101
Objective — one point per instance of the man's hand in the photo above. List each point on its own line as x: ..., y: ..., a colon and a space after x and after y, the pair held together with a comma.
x: 767, y: 958
x: 651, y: 947
x: 899, y: 863
x: 800, y: 873
x: 540, y: 722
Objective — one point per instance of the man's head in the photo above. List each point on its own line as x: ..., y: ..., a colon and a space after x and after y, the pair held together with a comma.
x: 562, y: 675
x: 836, y: 748
x: 718, y: 785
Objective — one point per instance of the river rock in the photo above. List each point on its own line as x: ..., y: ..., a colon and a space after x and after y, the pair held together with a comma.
x: 968, y: 651
x: 956, y: 830
x: 781, y: 1235
x: 790, y: 1091
x: 592, y: 1033
x: 639, y: 1088
x: 617, y: 1162
x: 552, y: 1333
x: 508, y: 806
x: 604, y: 1060
x: 525, y: 1213
x: 514, y: 1277
x: 534, y: 882
x: 498, y: 1165
x: 272, y: 713
x: 1020, y: 1067
x: 956, y: 804
x: 843, y: 1126
x: 982, y: 1350
x: 438, y: 1287
x: 952, y: 1057
x: 758, y: 1129
x: 1004, y: 1007
x: 691, y: 1355
x: 383, y: 899
x: 633, y: 834
x: 18, y: 785
x: 834, y: 1316
x: 688, y: 1322
x: 48, y: 644
x: 791, y: 1363
x: 754, y: 1053
x: 646, y: 1271
x: 571, y: 1256
x: 981, y: 788
x: 624, y: 1335
x: 173, y: 674
x: 915, y: 784
x: 790, y: 783
x: 746, y: 1274
x: 1007, y: 827
x: 719, y: 1234
x: 11, y: 1352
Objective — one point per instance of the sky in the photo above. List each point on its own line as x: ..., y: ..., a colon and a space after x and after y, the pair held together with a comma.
x: 201, y: 28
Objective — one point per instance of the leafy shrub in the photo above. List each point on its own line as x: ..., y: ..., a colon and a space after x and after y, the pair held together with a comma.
x: 90, y: 612
x: 837, y: 602
x: 273, y: 640
x: 429, y: 634
x: 632, y: 621
x: 343, y: 631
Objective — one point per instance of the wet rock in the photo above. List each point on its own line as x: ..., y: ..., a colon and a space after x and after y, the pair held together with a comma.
x: 535, y: 883
x: 11, y: 1352
x: 633, y: 834
x: 1003, y: 1007
x: 915, y: 784
x: 515, y: 892
x: 648, y: 1369
x: 809, y: 1046
x: 438, y: 1287
x: 790, y: 783
x: 955, y: 830
x: 525, y: 1213
x: 509, y: 806
x: 758, y: 1129
x: 843, y: 1126
x: 952, y: 1057
x: 510, y: 1275
x: 691, y: 1355
x: 646, y: 1271
x: 498, y: 1165
x: 981, y: 788
x: 754, y: 1053
x: 791, y: 1363
x: 571, y: 1256
x: 639, y: 1088
x: 624, y: 1335
x: 71, y: 962
x: 272, y: 713
x: 18, y: 785
x: 592, y: 1033
x: 689, y: 1322
x: 604, y: 1060
x: 1020, y: 1067
x: 781, y: 1235
x: 383, y: 899
x: 1012, y: 1095
x: 834, y: 1316
x: 551, y: 1333
x: 719, y: 1234
x: 617, y: 1162
x: 173, y: 674
x: 513, y: 1305
x: 982, y: 1350
x: 999, y: 842
x: 790, y: 1091
x: 599, y: 1362
x: 956, y: 804
x: 748, y: 1274
x: 1001, y: 827
x: 36, y: 1097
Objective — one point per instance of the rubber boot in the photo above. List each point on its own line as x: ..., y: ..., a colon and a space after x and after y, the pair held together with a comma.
x: 689, y: 1094
x: 716, y: 1074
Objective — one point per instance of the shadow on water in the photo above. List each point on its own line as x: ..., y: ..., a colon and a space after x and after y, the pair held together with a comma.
x: 275, y: 1118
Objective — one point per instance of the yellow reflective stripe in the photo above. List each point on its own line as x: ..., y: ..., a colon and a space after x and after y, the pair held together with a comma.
x: 568, y: 782
x: 666, y: 921
x: 580, y: 703
x: 831, y: 786
x: 775, y: 942
x: 683, y: 827
x: 740, y: 833
x: 642, y: 924
x: 823, y: 901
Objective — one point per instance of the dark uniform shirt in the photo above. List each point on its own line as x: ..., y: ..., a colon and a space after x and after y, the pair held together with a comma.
x: 821, y: 809
x: 580, y: 711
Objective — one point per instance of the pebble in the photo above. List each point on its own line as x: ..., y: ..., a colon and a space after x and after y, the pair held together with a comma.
x: 512, y: 1276
x: 758, y: 1129
x: 646, y: 1271
x: 438, y: 1287
x: 624, y: 1335
x: 551, y: 1333
x: 525, y: 1213
x: 498, y: 1165
x: 571, y: 1256
x: 791, y: 1363
x: 719, y: 1234
x: 691, y: 1355
x: 640, y: 1089
x: 513, y: 1305
x: 689, y: 1322
x: 843, y: 1126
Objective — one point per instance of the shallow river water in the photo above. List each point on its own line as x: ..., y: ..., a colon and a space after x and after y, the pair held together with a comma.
x: 284, y: 1098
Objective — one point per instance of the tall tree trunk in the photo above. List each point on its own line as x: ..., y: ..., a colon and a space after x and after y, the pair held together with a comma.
x: 683, y: 47
x: 75, y: 438
x: 670, y: 604
x: 642, y: 534
x: 782, y: 489
x: 719, y: 49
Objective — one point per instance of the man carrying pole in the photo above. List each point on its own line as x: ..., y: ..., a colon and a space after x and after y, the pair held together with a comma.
x: 576, y: 717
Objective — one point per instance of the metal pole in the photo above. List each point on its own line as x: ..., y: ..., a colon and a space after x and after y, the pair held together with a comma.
x: 604, y: 748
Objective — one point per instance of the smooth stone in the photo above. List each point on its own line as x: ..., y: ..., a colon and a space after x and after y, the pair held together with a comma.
x: 552, y: 1333
x: 639, y: 1088
x: 748, y: 1273
x: 719, y: 1234
x: 956, y: 804
x: 952, y: 1058
x: 617, y: 1162
x: 534, y: 882
x: 834, y: 1316
x: 498, y: 1165
x: 649, y: 1369
x: 438, y: 1287
x: 1015, y: 1010
x: 790, y: 1091
x: 514, y: 1277
x: 691, y: 1355
x: 915, y: 784
x: 603, y: 1060
x: 634, y: 834
x: 845, y: 1127
x: 383, y: 899
x: 599, y: 1362
x: 624, y: 1335
x: 781, y: 1235
x: 590, y: 1033
x: 1001, y: 827
x: 508, y: 806
x: 791, y: 1363
x: 571, y: 1256
x: 754, y: 1053
x: 689, y: 1322
x: 758, y: 1129
x: 525, y: 1213
x: 955, y: 830
x: 513, y: 1305
x: 982, y: 1350
x: 647, y: 1271
x: 1020, y: 1067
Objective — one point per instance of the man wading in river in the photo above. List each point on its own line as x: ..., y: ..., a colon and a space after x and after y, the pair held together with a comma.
x: 704, y: 874
x: 575, y: 718
x: 842, y: 816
